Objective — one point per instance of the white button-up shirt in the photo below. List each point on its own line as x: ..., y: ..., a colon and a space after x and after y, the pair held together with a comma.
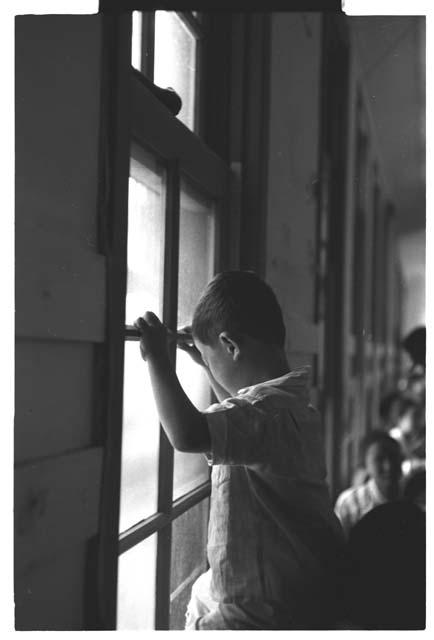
x: 273, y: 539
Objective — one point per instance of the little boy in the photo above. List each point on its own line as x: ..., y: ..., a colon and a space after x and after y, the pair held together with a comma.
x: 383, y: 459
x: 274, y: 542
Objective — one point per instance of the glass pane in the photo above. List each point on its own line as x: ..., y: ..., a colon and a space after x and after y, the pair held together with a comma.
x: 136, y: 586
x: 146, y: 224
x: 196, y: 267
x: 189, y: 537
x: 140, y: 442
x: 136, y: 41
x: 196, y: 249
x: 175, y: 61
x: 140, y: 436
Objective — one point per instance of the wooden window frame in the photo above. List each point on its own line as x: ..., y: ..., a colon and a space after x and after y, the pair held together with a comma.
x: 198, y: 29
x: 130, y: 107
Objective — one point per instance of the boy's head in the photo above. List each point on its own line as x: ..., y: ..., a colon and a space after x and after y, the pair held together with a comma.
x: 237, y: 313
x: 383, y: 460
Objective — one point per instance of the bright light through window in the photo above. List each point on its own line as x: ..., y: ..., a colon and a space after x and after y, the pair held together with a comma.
x: 175, y: 61
x: 196, y: 265
x: 136, y: 587
x: 140, y: 435
x: 136, y: 41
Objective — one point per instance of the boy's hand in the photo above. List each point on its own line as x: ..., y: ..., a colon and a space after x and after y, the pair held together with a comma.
x: 154, y: 336
x: 184, y: 341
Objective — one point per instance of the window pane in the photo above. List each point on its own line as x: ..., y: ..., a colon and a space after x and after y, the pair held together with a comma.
x: 140, y: 436
x: 146, y: 223
x: 175, y: 61
x: 136, y: 40
x: 196, y: 266
x: 196, y: 249
x: 140, y: 440
x: 189, y: 533
x: 136, y: 586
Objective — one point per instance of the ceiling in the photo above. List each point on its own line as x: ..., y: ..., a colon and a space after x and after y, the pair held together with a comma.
x: 391, y: 56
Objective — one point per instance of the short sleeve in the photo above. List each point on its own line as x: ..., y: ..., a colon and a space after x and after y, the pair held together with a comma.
x: 242, y: 433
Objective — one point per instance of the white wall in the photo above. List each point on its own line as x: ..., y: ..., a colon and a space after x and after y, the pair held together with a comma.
x: 411, y: 248
x: 292, y: 169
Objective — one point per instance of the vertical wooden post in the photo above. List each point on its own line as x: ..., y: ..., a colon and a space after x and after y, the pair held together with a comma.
x: 114, y: 162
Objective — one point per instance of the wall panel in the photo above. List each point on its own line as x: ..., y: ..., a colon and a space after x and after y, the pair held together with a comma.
x: 60, y: 315
x: 49, y: 595
x: 293, y: 164
x: 49, y: 377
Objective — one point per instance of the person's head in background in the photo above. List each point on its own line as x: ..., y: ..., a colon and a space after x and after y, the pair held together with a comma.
x: 239, y: 330
x: 383, y: 460
x: 414, y: 344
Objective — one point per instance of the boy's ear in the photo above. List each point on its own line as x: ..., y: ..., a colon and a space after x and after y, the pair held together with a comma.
x: 230, y: 345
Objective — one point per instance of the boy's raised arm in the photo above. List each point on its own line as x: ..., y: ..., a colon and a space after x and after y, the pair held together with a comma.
x: 185, y: 426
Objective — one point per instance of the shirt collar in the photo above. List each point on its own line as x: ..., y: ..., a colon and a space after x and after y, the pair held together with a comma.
x: 296, y: 379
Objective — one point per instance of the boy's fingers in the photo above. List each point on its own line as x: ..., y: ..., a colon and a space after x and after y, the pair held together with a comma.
x: 186, y: 329
x: 184, y: 346
x: 140, y: 323
x: 184, y: 339
x: 151, y: 319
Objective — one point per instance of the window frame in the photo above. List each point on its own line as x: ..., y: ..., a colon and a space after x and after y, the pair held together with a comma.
x: 183, y: 154
x: 197, y: 27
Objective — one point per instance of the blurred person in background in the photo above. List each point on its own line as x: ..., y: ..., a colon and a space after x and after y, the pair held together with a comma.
x: 383, y: 464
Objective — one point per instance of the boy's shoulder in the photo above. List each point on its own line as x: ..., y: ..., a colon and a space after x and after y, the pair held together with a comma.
x: 290, y: 391
x: 294, y: 384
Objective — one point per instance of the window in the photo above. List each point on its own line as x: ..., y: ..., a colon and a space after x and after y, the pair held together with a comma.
x: 166, y: 47
x: 140, y: 435
x: 176, y: 194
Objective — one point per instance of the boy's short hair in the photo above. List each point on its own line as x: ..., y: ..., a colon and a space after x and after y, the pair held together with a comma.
x: 383, y: 438
x: 241, y: 303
